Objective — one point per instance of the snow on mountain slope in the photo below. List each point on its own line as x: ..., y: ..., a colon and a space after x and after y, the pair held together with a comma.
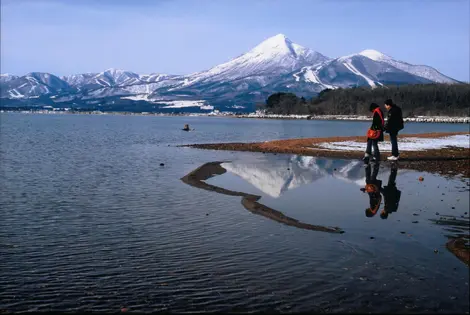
x: 274, y: 56
x: 350, y: 66
x: 419, y: 70
x: 79, y: 80
x: 156, y: 77
x: 374, y: 55
x: 369, y: 67
x: 310, y: 75
x: 33, y: 84
x: 109, y: 77
x: 113, y: 78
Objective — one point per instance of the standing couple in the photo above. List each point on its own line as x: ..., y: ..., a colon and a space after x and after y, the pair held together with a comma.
x: 375, y: 133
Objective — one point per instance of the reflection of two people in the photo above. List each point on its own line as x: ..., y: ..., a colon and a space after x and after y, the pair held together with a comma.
x: 375, y: 191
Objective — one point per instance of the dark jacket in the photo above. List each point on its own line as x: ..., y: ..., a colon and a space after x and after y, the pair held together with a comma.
x: 377, y: 124
x: 394, y: 120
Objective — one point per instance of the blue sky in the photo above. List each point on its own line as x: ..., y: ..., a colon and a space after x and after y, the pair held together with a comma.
x: 185, y: 36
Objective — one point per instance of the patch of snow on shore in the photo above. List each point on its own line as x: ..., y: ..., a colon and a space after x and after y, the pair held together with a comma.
x: 138, y: 97
x: 182, y: 104
x: 404, y: 144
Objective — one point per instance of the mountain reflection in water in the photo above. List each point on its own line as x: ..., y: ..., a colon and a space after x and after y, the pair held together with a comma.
x: 249, y: 201
x: 275, y: 175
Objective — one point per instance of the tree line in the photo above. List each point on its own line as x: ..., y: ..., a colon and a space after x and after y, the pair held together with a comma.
x: 415, y: 100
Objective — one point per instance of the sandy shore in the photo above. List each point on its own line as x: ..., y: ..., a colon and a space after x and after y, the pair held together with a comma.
x: 446, y: 160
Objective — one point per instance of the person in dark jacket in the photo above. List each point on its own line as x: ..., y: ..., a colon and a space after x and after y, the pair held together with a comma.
x: 393, y: 125
x: 391, y: 195
x: 377, y: 124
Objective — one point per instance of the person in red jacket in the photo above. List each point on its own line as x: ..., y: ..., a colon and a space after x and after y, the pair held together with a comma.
x: 378, y: 126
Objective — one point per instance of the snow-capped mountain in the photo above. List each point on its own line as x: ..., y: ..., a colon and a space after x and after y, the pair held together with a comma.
x: 275, y: 65
x: 372, y: 68
x: 244, y: 76
x: 359, y: 70
x: 274, y: 56
x: 426, y: 72
x: 33, y: 84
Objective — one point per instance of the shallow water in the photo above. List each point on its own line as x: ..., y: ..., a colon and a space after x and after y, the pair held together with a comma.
x: 91, y: 221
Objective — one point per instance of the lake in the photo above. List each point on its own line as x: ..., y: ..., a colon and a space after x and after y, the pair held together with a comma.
x: 92, y: 222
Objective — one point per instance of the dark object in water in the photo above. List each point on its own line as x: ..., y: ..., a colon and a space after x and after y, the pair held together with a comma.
x: 162, y: 164
x: 186, y: 127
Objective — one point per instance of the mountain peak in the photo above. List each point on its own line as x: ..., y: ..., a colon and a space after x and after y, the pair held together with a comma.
x: 275, y: 45
x: 113, y: 71
x: 279, y: 37
x: 373, y: 54
x: 279, y: 46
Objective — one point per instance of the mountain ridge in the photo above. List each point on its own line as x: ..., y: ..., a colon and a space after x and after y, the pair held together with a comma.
x: 276, y: 64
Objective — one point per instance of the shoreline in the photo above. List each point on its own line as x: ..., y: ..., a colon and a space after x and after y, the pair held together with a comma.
x: 418, y: 119
x: 448, y: 161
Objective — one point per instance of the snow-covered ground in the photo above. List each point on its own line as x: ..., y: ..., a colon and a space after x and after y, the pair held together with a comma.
x: 404, y: 144
x: 181, y: 104
x: 138, y: 97
x: 438, y: 119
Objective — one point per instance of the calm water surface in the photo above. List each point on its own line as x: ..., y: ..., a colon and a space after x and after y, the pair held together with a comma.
x: 92, y: 222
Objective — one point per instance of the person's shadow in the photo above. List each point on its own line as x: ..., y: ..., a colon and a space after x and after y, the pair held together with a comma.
x: 374, y: 189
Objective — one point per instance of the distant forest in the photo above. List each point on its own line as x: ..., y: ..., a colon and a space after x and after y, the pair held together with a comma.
x: 415, y: 100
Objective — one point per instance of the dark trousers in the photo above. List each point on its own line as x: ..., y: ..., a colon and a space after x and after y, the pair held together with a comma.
x: 393, y: 177
x: 373, y: 143
x: 394, y: 141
